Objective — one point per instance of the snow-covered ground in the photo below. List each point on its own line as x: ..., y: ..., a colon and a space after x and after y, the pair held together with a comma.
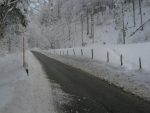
x: 127, y: 76
x: 20, y: 93
x: 130, y: 52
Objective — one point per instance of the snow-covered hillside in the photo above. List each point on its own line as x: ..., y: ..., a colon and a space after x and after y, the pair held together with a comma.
x: 65, y: 24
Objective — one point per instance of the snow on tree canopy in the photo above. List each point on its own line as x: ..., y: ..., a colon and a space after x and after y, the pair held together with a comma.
x: 13, y: 16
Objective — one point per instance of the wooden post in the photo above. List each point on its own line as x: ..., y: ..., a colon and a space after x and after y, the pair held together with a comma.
x: 107, y: 57
x: 81, y: 52
x: 140, y: 63
x: 23, y: 52
x: 55, y: 52
x: 121, y: 59
x: 67, y: 52
x: 74, y: 52
x: 92, y: 53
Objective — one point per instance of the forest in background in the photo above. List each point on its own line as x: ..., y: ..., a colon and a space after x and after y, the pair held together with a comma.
x: 69, y: 23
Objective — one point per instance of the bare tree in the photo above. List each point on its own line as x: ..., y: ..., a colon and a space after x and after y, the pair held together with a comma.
x: 82, y: 28
x: 133, y: 3
x: 92, y: 25
x: 140, y: 8
x: 87, y: 15
x: 68, y: 18
x: 123, y: 28
x: 59, y: 4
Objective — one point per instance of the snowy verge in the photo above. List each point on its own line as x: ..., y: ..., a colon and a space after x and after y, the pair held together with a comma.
x: 135, y: 81
x: 42, y: 91
x: 20, y: 93
x: 130, y: 52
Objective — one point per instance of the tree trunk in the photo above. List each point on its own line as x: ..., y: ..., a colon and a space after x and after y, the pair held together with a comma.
x: 123, y: 29
x: 140, y: 8
x: 133, y: 2
x: 82, y: 29
x: 87, y: 15
x: 92, y: 27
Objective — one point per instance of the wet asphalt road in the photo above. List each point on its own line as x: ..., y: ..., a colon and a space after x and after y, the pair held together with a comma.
x: 90, y: 94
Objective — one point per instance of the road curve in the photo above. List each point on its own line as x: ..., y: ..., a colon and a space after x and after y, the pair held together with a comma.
x: 90, y: 94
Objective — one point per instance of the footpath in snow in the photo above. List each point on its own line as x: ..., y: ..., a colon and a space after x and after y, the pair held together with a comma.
x: 128, y: 76
x: 20, y: 93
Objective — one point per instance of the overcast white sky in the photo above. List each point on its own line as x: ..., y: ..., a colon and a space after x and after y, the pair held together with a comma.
x: 36, y: 4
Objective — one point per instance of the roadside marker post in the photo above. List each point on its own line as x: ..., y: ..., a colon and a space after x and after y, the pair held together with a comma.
x: 67, y: 52
x: 81, y: 52
x: 121, y: 59
x: 74, y: 52
x: 92, y: 53
x: 107, y: 57
x: 140, y: 63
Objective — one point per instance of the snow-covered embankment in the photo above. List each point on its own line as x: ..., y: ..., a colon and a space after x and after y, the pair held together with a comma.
x: 20, y: 93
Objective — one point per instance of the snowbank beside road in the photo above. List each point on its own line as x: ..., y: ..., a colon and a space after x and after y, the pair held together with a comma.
x: 131, y: 54
x: 20, y: 93
x: 41, y: 87
x: 15, y: 91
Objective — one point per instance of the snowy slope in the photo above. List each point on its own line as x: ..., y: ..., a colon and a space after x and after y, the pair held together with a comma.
x: 107, y: 26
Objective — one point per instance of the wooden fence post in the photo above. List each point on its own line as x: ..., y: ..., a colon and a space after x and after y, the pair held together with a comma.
x: 67, y: 52
x: 121, y: 59
x: 73, y: 52
x: 107, y: 57
x: 140, y: 63
x: 81, y: 52
x: 92, y: 53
